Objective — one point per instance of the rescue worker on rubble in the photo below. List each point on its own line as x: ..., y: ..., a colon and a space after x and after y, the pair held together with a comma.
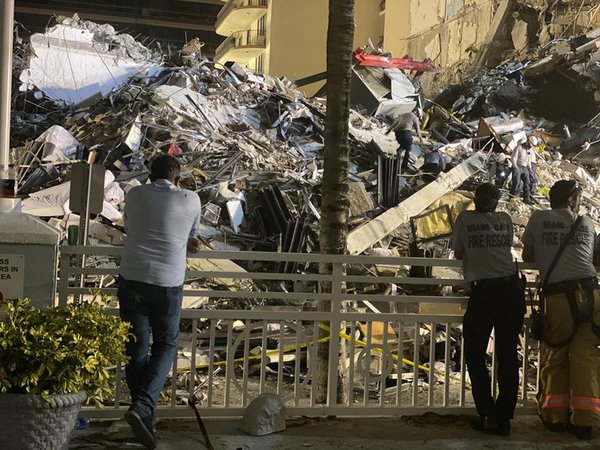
x: 503, y: 170
x: 531, y: 150
x: 402, y: 128
x: 483, y: 240
x: 569, y: 389
x: 434, y: 163
x: 521, y: 165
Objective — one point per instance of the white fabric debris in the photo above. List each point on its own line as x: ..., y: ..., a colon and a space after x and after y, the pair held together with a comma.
x: 59, y: 144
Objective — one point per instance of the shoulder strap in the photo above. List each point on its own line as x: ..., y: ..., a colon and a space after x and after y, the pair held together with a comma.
x: 574, y: 227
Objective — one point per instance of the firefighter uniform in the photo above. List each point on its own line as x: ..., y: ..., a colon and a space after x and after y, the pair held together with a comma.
x: 569, y: 392
x: 496, y: 302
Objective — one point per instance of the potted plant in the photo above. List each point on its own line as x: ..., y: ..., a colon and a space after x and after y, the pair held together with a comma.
x: 51, y: 361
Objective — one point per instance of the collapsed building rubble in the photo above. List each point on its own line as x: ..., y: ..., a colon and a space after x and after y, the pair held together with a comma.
x: 251, y: 147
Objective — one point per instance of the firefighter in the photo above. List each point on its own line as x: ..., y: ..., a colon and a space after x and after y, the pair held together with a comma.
x: 434, y: 163
x: 483, y: 240
x: 569, y: 393
x: 503, y: 170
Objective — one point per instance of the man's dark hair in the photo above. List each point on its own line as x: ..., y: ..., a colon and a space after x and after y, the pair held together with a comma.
x: 562, y: 191
x: 164, y: 166
x: 486, y: 198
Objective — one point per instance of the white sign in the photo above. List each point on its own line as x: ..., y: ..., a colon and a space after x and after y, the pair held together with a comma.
x: 12, y: 276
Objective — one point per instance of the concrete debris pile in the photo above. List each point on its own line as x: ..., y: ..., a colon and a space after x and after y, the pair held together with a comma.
x: 560, y: 83
x: 251, y: 147
x: 250, y: 144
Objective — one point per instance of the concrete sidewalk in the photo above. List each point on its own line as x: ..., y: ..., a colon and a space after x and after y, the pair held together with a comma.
x: 427, y: 432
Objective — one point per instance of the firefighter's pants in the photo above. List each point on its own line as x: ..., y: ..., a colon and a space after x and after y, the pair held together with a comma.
x: 570, y: 374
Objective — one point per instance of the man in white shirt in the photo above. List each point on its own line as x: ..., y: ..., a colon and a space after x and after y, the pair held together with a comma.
x: 161, y: 221
x: 521, y: 163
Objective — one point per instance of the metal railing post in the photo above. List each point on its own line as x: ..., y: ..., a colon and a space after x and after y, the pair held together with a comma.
x: 63, y: 281
x: 8, y: 14
x: 337, y: 286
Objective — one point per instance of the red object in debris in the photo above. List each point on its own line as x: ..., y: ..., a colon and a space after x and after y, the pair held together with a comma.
x: 174, y: 150
x: 406, y: 63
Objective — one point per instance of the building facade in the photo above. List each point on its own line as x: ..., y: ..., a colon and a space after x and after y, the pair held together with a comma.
x: 287, y: 38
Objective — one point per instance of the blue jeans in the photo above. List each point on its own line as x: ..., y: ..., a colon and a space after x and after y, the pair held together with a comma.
x: 521, y: 179
x: 155, y: 310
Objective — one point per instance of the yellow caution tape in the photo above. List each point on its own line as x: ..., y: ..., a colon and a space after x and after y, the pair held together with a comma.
x: 290, y: 348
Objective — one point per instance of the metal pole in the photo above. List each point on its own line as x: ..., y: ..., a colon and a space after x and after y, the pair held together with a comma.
x: 84, y: 220
x: 8, y: 15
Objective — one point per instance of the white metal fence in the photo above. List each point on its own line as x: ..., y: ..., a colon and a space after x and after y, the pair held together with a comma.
x: 262, y: 336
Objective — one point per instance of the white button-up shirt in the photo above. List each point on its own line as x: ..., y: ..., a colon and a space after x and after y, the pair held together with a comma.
x: 159, y: 219
x: 520, y: 157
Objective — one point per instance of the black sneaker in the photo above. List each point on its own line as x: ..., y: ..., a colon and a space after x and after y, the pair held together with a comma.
x: 580, y: 432
x: 142, y: 429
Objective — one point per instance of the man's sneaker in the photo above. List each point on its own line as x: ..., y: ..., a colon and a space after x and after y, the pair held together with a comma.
x: 584, y: 433
x: 142, y: 429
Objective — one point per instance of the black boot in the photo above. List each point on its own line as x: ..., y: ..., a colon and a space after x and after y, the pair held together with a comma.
x: 503, y: 428
x: 486, y: 424
x: 580, y: 432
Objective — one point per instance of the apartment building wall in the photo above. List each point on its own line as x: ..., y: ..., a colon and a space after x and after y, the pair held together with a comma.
x: 370, y: 23
x: 443, y: 30
x: 397, y: 24
x: 297, y: 36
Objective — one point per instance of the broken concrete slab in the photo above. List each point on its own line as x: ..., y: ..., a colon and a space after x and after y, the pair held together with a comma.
x: 359, y: 198
x: 220, y: 265
x: 519, y: 35
x: 363, y: 237
x: 72, y: 63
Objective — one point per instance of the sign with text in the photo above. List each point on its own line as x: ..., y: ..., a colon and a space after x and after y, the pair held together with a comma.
x: 12, y: 276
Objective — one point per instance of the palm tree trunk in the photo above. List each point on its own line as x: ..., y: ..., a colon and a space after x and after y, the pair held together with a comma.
x: 334, y: 188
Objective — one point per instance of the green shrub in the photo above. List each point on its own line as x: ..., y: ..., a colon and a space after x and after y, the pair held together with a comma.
x: 59, y: 350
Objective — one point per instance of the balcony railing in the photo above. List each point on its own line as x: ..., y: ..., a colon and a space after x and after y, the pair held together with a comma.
x: 239, y: 15
x: 242, y: 39
x: 235, y: 4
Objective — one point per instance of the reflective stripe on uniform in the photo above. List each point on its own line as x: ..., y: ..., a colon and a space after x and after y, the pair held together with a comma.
x: 585, y: 403
x: 556, y: 401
